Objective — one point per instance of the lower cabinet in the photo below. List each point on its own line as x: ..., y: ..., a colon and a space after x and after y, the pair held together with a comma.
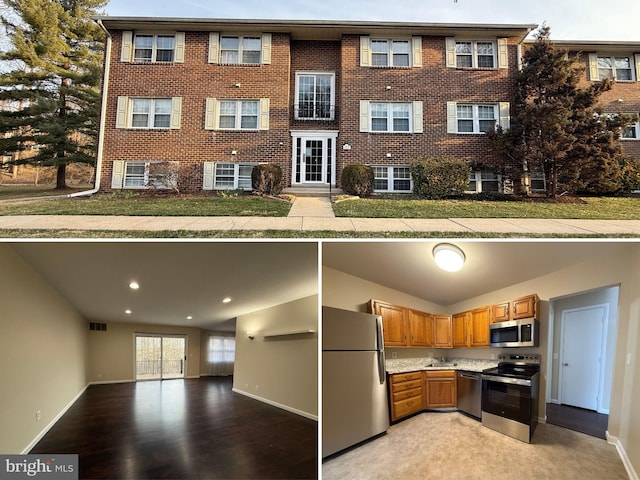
x: 415, y: 391
x: 440, y: 388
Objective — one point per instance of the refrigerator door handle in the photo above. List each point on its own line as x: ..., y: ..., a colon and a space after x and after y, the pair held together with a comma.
x: 380, y: 333
x: 382, y: 373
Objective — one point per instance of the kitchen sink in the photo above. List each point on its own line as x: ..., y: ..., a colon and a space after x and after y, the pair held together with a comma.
x: 442, y: 364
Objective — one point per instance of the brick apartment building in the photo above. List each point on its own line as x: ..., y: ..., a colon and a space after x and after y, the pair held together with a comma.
x: 212, y: 98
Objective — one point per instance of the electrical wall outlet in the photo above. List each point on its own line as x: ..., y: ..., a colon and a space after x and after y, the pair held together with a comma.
x: 394, y: 354
x: 38, y: 415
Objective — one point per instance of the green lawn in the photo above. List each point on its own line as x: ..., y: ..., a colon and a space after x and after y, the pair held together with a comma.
x: 597, y: 208
x: 129, y: 205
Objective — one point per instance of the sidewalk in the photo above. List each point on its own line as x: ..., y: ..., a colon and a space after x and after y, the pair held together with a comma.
x: 314, y: 214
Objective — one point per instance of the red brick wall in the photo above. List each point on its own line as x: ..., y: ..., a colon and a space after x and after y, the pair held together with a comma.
x: 194, y: 81
x: 434, y: 84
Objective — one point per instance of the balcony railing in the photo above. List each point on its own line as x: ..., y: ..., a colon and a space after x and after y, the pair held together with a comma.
x: 314, y: 112
x: 157, y: 367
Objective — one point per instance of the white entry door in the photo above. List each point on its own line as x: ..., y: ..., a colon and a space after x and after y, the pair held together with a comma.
x: 313, y: 158
x: 582, y: 356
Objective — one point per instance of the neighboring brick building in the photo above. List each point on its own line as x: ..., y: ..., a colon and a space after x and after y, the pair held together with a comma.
x: 215, y: 97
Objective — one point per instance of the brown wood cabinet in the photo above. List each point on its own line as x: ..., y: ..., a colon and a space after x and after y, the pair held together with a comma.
x: 460, y: 329
x: 525, y: 307
x: 501, y: 312
x: 420, y: 329
x: 405, y: 394
x: 394, y: 319
x: 479, y: 327
x: 440, y: 389
x: 442, y: 331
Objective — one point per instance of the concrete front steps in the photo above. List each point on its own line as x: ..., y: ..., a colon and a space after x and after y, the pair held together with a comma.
x: 312, y: 191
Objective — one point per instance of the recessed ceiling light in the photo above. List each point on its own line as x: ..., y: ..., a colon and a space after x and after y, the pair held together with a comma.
x: 448, y: 257
x: 189, y: 317
x: 127, y: 311
x: 226, y: 300
x: 134, y: 286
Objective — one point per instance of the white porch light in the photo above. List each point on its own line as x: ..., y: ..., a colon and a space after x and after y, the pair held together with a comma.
x: 448, y: 257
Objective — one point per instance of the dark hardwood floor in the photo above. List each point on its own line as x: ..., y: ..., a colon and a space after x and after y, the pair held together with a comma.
x: 579, y: 419
x: 183, y: 429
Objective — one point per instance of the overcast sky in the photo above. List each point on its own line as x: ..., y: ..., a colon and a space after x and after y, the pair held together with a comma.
x: 568, y: 19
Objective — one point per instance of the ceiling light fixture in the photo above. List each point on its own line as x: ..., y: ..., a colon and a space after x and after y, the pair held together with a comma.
x: 189, y: 317
x: 226, y: 300
x: 448, y: 257
x: 134, y: 286
x: 128, y: 312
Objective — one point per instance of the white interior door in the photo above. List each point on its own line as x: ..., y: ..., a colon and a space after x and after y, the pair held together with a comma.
x: 581, y: 357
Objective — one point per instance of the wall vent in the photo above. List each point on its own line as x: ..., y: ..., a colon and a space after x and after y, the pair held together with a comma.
x: 98, y: 326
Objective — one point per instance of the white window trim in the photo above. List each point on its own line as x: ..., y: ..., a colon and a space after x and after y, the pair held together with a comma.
x: 212, y: 114
x: 632, y: 139
x: 333, y: 95
x: 476, y: 175
x: 594, y: 68
x: 415, y: 52
x: 120, y: 174
x: 127, y: 52
x: 500, y: 53
x: 474, y: 52
x: 150, y: 115
x: 238, y: 116
x: 236, y: 175
x: 390, y: 179
x: 215, y: 48
x: 501, y: 114
x: 124, y: 113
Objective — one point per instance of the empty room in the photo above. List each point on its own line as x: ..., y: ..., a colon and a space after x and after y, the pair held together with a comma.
x: 162, y: 359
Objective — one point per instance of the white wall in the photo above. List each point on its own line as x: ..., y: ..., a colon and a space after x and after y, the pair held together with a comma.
x: 43, y: 351
x: 280, y: 370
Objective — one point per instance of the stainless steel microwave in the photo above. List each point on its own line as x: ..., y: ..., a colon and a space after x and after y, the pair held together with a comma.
x: 515, y: 333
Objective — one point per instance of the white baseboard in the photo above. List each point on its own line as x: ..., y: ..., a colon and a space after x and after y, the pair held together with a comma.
x: 276, y: 404
x: 623, y: 455
x: 109, y: 382
x: 46, y: 429
x: 542, y: 419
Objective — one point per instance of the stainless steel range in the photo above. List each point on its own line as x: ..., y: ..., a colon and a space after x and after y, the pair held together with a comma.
x: 510, y: 395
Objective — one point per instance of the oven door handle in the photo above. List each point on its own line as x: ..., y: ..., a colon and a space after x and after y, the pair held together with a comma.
x: 511, y: 381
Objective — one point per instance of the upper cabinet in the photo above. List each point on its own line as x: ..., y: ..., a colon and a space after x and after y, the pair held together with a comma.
x: 442, y: 331
x: 420, y: 329
x: 394, y: 319
x: 501, y: 312
x: 523, y: 307
x: 471, y: 328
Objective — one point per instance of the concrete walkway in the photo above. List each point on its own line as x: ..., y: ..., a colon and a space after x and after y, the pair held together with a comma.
x: 316, y: 214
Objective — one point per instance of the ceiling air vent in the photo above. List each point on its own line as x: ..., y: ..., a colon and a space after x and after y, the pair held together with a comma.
x: 98, y: 326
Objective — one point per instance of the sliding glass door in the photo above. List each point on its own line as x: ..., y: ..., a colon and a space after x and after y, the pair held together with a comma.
x: 160, y: 356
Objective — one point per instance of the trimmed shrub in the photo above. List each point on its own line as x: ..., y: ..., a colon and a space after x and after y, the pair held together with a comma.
x: 357, y: 180
x: 440, y: 177
x: 266, y: 179
x: 630, y: 173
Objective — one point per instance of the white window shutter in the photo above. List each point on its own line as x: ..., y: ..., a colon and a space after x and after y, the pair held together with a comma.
x: 452, y: 117
x: 416, y: 43
x: 365, y: 51
x: 210, y: 114
x: 503, y: 53
x: 178, y: 56
x: 214, y: 47
x: 364, y: 115
x: 176, y: 112
x: 594, y: 74
x: 418, y: 118
x: 126, y: 52
x: 117, y: 176
x: 207, y: 175
x: 450, y: 47
x: 266, y: 48
x: 637, y: 61
x: 122, y: 117
x: 504, y: 116
x: 264, y: 114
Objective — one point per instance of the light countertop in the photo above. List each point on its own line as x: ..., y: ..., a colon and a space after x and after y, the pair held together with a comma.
x: 403, y: 365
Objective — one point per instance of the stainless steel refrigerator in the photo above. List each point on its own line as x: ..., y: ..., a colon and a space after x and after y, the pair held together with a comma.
x: 354, y: 385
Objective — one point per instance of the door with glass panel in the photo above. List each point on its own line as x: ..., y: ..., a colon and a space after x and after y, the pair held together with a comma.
x: 160, y: 357
x: 313, y: 159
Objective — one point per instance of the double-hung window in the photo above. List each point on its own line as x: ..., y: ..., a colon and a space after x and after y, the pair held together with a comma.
x: 390, y: 53
x: 239, y: 114
x: 153, y: 48
x: 389, y: 178
x: 233, y: 176
x: 315, y: 93
x: 150, y: 174
x: 631, y: 132
x: 475, y: 54
x: 391, y: 117
x: 471, y: 118
x: 484, y: 181
x: 240, y: 50
x: 151, y: 112
x: 615, y: 68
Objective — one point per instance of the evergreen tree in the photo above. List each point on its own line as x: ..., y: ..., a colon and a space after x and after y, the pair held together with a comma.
x: 49, y: 90
x: 557, y: 129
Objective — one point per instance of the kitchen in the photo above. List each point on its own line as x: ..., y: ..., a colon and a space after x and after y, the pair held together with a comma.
x: 426, y: 391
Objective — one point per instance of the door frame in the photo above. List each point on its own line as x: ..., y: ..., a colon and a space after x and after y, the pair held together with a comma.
x: 161, y: 336
x: 603, y: 346
x: 323, y: 135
